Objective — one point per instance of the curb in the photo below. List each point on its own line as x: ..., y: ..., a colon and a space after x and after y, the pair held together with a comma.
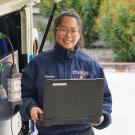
x: 118, y: 67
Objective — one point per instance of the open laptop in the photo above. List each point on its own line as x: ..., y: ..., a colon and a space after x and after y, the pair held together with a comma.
x: 72, y: 101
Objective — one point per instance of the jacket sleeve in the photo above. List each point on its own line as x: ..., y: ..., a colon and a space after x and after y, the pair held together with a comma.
x: 28, y: 88
x: 107, y: 100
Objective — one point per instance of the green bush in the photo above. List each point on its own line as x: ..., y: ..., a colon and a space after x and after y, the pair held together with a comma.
x: 117, y: 28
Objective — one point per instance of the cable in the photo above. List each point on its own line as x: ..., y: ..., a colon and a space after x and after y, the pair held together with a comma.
x: 11, y: 122
x: 3, y: 66
x: 3, y: 91
x: 15, y: 109
x: 12, y: 49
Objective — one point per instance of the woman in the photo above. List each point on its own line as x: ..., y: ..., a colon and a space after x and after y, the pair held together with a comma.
x: 64, y: 61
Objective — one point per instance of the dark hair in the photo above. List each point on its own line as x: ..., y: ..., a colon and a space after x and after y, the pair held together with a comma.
x: 73, y: 14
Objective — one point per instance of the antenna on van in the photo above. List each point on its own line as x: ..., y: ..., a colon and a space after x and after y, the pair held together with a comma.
x: 48, y: 25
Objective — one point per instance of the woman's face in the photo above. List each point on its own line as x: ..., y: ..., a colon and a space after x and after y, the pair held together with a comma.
x: 67, y: 33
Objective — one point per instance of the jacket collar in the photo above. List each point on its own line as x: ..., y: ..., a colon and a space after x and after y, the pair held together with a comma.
x: 64, y: 54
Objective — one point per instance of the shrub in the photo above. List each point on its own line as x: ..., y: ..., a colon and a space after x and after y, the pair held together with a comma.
x: 117, y: 28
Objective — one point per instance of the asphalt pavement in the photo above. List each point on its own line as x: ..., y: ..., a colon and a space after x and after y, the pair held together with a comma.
x: 122, y: 86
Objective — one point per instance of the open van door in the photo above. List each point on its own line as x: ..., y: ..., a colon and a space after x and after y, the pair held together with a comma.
x: 16, y: 22
x: 16, y: 46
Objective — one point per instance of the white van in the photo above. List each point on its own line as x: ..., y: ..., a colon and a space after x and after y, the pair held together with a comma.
x: 16, y: 23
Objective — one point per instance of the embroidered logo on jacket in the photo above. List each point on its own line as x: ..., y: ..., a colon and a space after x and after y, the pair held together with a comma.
x: 81, y: 74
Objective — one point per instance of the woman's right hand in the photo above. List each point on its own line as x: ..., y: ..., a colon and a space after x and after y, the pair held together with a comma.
x: 35, y: 113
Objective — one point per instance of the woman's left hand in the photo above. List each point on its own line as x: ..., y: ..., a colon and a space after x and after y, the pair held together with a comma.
x: 100, y: 121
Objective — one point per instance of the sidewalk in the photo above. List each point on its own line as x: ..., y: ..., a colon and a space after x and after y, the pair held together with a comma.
x: 122, y: 86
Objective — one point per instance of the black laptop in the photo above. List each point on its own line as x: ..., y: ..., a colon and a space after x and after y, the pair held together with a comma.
x: 72, y: 101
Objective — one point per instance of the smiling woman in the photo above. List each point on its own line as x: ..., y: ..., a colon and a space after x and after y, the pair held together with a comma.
x: 67, y: 33
x: 64, y: 61
x: 73, y: 20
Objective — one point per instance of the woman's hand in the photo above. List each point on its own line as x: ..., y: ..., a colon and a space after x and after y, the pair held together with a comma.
x: 100, y: 121
x: 35, y: 113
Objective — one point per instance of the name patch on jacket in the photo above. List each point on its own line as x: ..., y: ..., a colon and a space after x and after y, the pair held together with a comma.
x: 80, y: 74
x: 49, y: 76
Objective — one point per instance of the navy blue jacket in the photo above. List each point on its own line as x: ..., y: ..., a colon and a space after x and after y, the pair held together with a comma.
x: 59, y: 63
